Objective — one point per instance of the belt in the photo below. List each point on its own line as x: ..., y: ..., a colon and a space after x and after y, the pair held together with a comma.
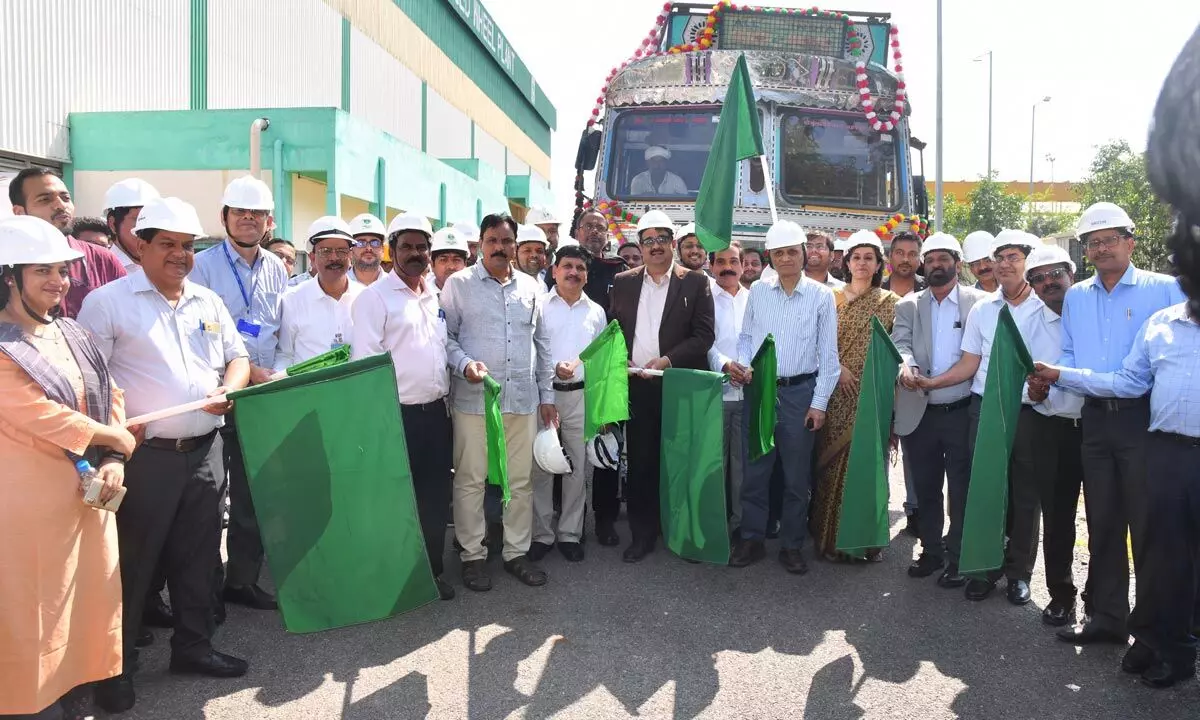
x: 1113, y: 404
x: 1187, y: 440
x: 950, y: 406
x: 439, y: 405
x: 795, y: 379
x: 567, y: 387
x: 180, y: 445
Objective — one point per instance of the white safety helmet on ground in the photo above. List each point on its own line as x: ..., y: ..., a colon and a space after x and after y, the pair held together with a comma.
x: 944, y: 242
x: 367, y: 224
x: 248, y: 193
x: 859, y: 238
x: 449, y: 239
x: 170, y: 214
x: 604, y: 450
x: 1048, y: 254
x: 1102, y: 216
x: 657, y: 220
x: 1014, y: 238
x: 548, y: 452
x: 130, y: 192
x: 29, y: 240
x: 977, y: 246
x: 784, y: 233
x: 541, y: 216
x: 405, y: 222
x: 329, y: 226
x: 531, y: 233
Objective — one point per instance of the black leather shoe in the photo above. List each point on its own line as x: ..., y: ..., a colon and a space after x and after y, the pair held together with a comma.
x: 925, y: 566
x: 1165, y: 674
x: 1018, y: 592
x: 792, y: 560
x: 606, y: 534
x: 538, y: 550
x: 572, y: 551
x: 979, y: 589
x: 950, y: 578
x: 1091, y: 634
x: 445, y: 591
x: 913, y: 526
x: 747, y: 552
x: 215, y: 664
x: 637, y: 550
x: 475, y: 576
x: 523, y: 569
x: 115, y: 695
x: 157, y: 613
x: 1138, y: 659
x: 252, y: 596
x: 1058, y: 613
x: 144, y: 638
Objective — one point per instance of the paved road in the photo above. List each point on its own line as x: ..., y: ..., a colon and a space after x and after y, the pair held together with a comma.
x: 666, y: 639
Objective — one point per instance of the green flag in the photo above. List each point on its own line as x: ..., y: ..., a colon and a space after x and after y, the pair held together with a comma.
x: 864, y: 518
x: 692, y: 464
x: 605, y: 363
x: 497, y: 448
x: 987, y: 497
x: 760, y: 399
x: 738, y: 136
x: 336, y: 511
x: 329, y: 358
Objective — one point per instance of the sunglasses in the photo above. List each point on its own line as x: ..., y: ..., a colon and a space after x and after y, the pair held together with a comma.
x: 1054, y: 274
x: 656, y: 240
x: 373, y: 242
x: 326, y: 252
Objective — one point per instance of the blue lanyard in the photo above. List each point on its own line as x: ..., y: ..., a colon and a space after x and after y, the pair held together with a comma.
x: 247, y: 299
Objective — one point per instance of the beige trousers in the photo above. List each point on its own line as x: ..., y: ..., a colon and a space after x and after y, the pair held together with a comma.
x: 574, y: 493
x: 470, y: 474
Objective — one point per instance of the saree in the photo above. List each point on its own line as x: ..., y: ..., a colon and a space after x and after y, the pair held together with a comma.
x: 833, y: 441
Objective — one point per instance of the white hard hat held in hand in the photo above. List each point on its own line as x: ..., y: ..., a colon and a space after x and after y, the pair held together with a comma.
x: 549, y: 454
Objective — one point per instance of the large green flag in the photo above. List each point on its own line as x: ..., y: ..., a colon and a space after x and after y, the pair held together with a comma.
x: 864, y: 517
x: 336, y: 509
x: 329, y: 358
x: 987, y: 498
x: 738, y: 137
x: 497, y: 446
x: 605, y: 369
x: 760, y: 399
x: 692, y: 464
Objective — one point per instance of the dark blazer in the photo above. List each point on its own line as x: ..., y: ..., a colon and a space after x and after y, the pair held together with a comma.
x: 687, y: 329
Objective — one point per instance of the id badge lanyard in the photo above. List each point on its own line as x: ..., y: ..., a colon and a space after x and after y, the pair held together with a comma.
x: 244, y: 326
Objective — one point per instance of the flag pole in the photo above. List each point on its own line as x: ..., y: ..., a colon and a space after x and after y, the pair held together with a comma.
x: 769, y: 188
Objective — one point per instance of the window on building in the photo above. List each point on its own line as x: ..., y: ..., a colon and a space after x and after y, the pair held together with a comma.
x: 660, y: 154
x: 832, y: 159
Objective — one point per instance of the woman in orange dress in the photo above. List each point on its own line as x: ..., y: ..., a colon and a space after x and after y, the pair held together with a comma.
x: 857, y: 302
x: 60, y: 585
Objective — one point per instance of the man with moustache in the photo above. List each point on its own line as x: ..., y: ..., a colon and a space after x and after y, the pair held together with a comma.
x: 494, y: 326
x: 532, y: 249
x: 39, y: 192
x: 752, y: 266
x: 285, y: 251
x: 977, y: 252
x: 448, y: 254
x: 819, y: 251
x: 548, y: 223
x: 399, y: 314
x: 316, y: 314
x: 368, y: 249
x: 631, y: 254
x: 691, y: 253
x: 729, y: 308
x: 122, y: 203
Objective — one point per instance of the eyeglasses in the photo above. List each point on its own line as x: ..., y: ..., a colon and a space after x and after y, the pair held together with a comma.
x: 1054, y: 274
x: 242, y: 212
x: 1010, y: 258
x: 1105, y: 242
x: 326, y: 252
x: 655, y: 240
x: 594, y: 227
x: 373, y: 242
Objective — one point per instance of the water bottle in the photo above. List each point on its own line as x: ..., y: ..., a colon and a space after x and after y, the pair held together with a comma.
x: 91, y: 484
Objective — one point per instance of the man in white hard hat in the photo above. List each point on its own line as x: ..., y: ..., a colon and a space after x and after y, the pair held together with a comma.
x: 666, y: 314
x: 656, y: 179
x: 122, y: 203
x: 176, y: 477
x: 39, y: 192
x: 572, y: 321
x: 800, y: 313
x: 729, y: 308
x: 692, y: 254
x: 399, y: 314
x: 369, y: 239
x: 977, y: 253
x: 471, y: 232
x: 532, y: 251
x: 448, y: 254
x: 493, y: 327
x: 251, y: 282
x: 548, y: 222
x: 1101, y: 319
x: 933, y: 427
x: 836, y: 268
x: 819, y: 251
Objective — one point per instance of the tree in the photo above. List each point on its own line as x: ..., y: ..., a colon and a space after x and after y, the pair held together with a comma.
x: 992, y: 208
x: 956, y: 216
x: 1118, y: 175
x: 1044, y: 224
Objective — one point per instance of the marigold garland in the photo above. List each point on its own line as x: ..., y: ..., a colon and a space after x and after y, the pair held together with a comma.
x: 916, y: 223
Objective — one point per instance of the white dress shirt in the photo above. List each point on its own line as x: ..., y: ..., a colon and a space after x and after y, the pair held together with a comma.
x: 313, y: 322
x: 1042, y: 332
x: 981, y: 329
x: 729, y: 310
x: 572, y: 328
x: 671, y: 184
x: 390, y: 317
x: 163, y: 356
x: 946, y: 340
x: 651, y: 304
x: 379, y: 275
x: 126, y: 262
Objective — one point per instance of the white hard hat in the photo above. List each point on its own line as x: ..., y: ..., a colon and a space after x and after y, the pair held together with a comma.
x: 859, y: 239
x: 248, y: 193
x: 841, y: 244
x: 784, y: 233
x: 130, y: 192
x: 405, y: 222
x: 367, y: 224
x: 531, y: 233
x: 657, y: 220
x: 29, y: 240
x: 688, y: 229
x: 1048, y: 254
x: 977, y: 246
x: 1013, y: 238
x: 329, y: 226
x: 170, y: 214
x: 548, y: 453
x: 944, y: 242
x: 449, y: 239
x: 567, y: 242
x: 469, y: 230
x: 604, y: 450
x: 1102, y: 216
x: 541, y: 216
x: 657, y: 151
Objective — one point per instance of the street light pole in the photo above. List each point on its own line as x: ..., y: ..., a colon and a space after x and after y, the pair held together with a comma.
x: 1032, y: 131
x: 989, y: 59
x: 937, y: 220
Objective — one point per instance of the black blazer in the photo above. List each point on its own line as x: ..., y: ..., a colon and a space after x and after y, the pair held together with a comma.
x: 687, y: 329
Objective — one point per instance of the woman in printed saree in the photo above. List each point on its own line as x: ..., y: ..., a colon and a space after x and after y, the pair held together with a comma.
x: 60, y: 587
x: 857, y: 302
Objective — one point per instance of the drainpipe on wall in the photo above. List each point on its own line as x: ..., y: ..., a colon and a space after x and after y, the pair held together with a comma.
x: 256, y: 129
x: 283, y: 200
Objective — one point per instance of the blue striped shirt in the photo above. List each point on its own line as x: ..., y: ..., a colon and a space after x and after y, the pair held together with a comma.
x: 1165, y: 360
x: 264, y: 283
x: 805, y: 328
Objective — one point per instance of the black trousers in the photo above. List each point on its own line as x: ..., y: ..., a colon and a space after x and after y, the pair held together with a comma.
x: 172, y: 511
x: 1165, y: 615
x: 939, y: 448
x: 243, y: 542
x: 644, y: 442
x: 429, y: 436
x: 1114, y: 493
x: 606, y: 494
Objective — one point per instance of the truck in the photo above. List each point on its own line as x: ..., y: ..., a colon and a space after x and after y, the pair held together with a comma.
x: 834, y: 114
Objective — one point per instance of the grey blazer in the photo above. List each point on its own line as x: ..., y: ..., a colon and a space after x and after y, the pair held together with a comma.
x: 912, y: 332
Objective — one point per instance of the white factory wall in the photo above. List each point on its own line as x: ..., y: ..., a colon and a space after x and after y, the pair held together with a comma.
x: 489, y: 149
x: 384, y: 92
x: 448, y: 133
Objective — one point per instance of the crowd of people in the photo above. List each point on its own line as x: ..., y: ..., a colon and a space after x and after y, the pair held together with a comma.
x: 90, y: 336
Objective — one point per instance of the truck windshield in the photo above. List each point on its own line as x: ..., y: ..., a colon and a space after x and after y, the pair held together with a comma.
x: 660, y: 153
x: 836, y: 160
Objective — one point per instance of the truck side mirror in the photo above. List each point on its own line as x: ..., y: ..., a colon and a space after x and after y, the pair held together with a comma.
x: 589, y: 149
